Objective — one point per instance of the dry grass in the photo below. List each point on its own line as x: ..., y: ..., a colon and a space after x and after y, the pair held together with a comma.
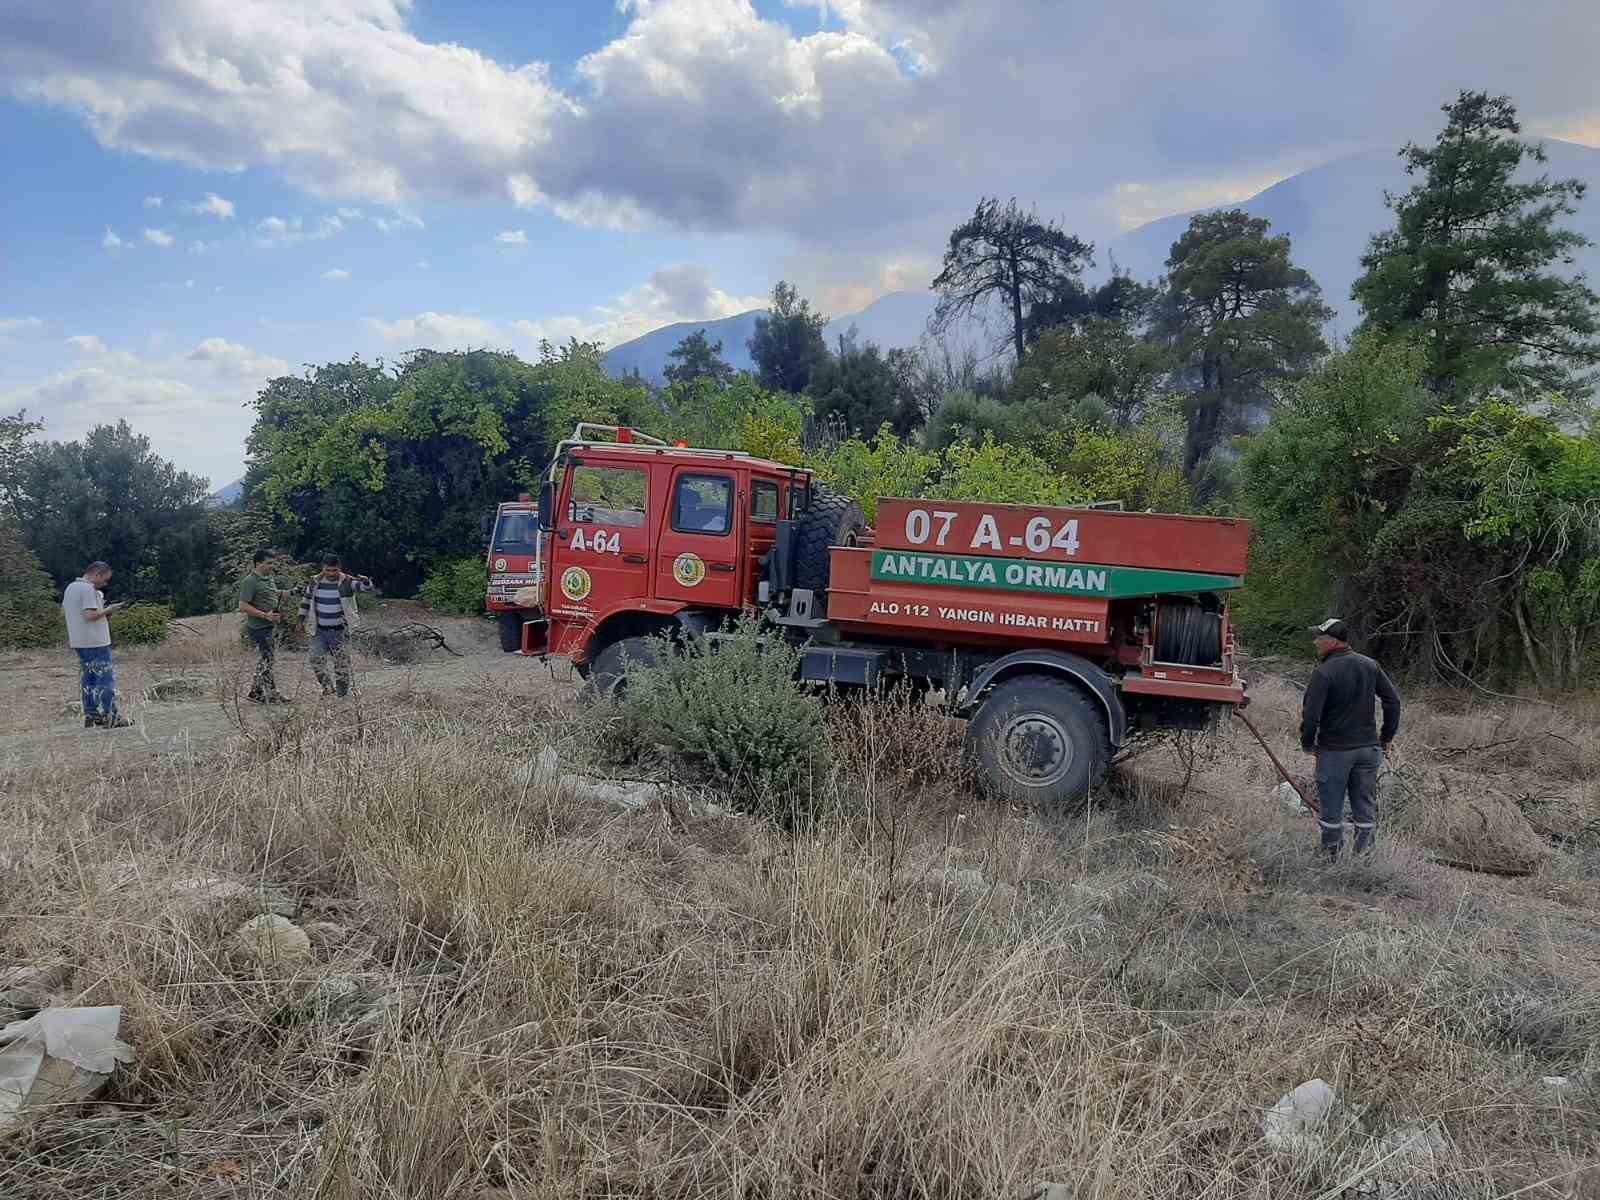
x: 519, y: 994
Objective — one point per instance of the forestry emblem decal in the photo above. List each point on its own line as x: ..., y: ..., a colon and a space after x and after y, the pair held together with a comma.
x: 576, y: 584
x: 689, y: 570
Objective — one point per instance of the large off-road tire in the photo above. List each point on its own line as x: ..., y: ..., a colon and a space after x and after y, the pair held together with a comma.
x: 510, y: 624
x: 608, y: 672
x: 832, y: 520
x: 1039, y: 740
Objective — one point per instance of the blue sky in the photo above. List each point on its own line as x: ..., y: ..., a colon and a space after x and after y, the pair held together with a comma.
x: 199, y: 194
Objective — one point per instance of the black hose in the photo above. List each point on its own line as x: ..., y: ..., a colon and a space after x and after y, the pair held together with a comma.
x: 1188, y: 634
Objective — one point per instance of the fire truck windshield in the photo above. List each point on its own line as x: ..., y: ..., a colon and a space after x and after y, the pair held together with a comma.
x: 514, y: 533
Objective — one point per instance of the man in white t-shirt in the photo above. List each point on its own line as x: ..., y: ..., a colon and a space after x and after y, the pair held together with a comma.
x: 89, y: 634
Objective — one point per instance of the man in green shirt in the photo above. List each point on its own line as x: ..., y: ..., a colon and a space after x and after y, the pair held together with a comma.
x: 258, y: 601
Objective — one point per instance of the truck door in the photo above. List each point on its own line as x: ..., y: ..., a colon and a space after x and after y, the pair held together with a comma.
x: 698, y: 557
x: 600, y: 553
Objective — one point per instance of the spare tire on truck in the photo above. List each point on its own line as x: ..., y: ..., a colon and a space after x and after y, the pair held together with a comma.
x: 832, y: 520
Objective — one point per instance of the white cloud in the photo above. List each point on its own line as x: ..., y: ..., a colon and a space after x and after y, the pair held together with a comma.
x: 111, y: 241
x: 87, y: 344
x: 192, y: 406
x: 683, y: 292
x: 158, y: 237
x: 336, y: 93
x: 512, y: 237
x: 336, y: 275
x: 873, y: 138
x: 424, y: 265
x: 440, y: 331
x: 399, y: 221
x: 10, y: 325
x: 233, y: 360
x: 214, y: 206
x: 283, y: 231
x: 1134, y: 204
x: 152, y: 201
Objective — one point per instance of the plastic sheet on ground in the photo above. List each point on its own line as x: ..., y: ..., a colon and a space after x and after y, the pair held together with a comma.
x: 61, y: 1056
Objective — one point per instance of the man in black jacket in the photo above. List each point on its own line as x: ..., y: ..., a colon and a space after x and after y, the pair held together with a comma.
x: 1339, y: 725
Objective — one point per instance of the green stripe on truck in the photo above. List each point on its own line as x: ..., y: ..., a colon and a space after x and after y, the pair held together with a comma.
x: 1042, y: 578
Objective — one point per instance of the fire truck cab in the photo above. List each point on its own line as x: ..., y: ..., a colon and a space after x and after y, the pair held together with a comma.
x: 643, y: 536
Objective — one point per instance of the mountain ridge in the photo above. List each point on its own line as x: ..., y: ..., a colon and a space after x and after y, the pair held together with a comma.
x: 1329, y: 211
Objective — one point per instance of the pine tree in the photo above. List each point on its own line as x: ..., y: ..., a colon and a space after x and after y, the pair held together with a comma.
x: 1468, y: 267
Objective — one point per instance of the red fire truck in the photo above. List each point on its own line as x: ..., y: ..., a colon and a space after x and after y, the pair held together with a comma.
x: 1059, y: 633
x: 513, y: 560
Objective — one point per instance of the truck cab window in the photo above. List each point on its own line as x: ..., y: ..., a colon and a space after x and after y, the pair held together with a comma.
x: 516, y: 533
x: 703, y: 504
x: 607, y: 496
x: 763, y: 501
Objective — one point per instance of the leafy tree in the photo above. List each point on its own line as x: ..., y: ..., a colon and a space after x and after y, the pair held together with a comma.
x: 787, y: 344
x: 1004, y: 254
x: 916, y: 397
x: 1240, y: 318
x: 999, y: 474
x: 856, y: 386
x: 15, y: 432
x: 1102, y: 356
x: 1538, y: 507
x: 773, y: 428
x: 29, y: 614
x: 394, y: 469
x: 867, y: 473
x: 112, y: 497
x: 1120, y: 299
x: 1323, y: 482
x: 964, y: 415
x: 1468, y: 265
x: 695, y: 358
x: 704, y: 413
x: 1138, y: 465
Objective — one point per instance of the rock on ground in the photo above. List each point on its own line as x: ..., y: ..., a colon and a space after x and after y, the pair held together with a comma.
x: 1298, y: 1122
x: 271, y: 939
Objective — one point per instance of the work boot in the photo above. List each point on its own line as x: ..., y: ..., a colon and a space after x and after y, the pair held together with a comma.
x: 93, y: 722
x: 114, y: 721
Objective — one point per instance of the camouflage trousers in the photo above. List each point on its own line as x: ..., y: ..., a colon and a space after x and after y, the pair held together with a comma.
x: 332, y: 644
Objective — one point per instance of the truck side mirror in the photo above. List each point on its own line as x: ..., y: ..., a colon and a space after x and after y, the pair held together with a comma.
x: 547, y: 505
x: 485, y: 526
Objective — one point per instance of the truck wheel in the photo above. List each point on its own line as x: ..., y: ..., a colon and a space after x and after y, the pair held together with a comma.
x: 510, y: 631
x: 832, y: 520
x: 608, y: 671
x: 1039, y: 740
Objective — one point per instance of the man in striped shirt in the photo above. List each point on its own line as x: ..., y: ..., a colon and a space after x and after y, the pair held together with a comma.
x: 323, y: 601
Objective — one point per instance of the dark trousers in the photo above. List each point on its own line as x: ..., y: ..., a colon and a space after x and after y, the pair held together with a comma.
x: 1352, y: 774
x: 264, y: 687
x: 97, y: 680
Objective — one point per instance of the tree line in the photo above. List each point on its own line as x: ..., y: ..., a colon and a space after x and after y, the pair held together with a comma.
x: 1436, y: 478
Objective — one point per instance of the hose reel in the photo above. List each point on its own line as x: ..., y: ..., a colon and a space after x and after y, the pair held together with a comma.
x: 1188, y: 633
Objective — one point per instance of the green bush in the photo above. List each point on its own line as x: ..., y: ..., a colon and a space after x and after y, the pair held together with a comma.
x: 458, y: 586
x: 141, y: 625
x: 730, y: 707
x: 29, y: 614
x: 27, y: 624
